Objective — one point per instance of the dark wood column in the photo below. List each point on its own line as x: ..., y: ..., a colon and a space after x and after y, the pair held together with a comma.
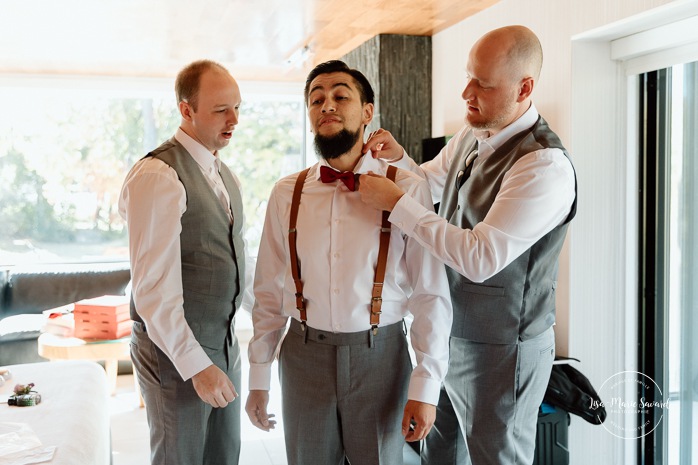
x: 399, y: 69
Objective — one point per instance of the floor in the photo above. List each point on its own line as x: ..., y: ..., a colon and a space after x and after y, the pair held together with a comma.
x: 129, y: 428
x: 129, y: 431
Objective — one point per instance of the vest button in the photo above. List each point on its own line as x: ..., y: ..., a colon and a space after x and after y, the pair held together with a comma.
x: 321, y: 337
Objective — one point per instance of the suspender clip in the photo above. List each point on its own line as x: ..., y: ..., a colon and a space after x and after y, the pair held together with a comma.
x: 371, y: 333
x: 304, y: 329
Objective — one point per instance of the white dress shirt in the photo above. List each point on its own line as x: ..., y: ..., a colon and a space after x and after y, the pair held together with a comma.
x: 152, y: 202
x: 338, y: 242
x: 535, y: 196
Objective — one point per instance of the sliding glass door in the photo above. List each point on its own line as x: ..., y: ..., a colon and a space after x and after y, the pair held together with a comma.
x: 669, y: 263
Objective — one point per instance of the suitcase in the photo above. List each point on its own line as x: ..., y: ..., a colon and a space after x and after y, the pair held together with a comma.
x: 552, y: 437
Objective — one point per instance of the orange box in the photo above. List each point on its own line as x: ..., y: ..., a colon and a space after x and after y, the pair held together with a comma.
x: 105, y: 317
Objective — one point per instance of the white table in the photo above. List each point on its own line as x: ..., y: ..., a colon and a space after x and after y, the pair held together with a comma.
x: 73, y: 414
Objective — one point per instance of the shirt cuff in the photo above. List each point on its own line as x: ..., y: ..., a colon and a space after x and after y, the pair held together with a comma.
x: 260, y: 376
x: 192, y: 363
x: 406, y: 213
x: 425, y: 390
x: 393, y: 161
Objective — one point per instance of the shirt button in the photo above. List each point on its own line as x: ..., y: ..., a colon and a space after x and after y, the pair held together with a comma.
x: 335, y: 291
x: 336, y: 255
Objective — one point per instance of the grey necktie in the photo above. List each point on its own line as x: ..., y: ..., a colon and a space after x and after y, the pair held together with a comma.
x: 219, y: 189
x: 461, y: 177
x: 464, y: 174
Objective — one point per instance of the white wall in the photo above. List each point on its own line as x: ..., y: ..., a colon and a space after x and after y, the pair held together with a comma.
x: 583, y: 95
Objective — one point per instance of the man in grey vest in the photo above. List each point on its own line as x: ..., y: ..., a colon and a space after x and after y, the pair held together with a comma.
x: 507, y: 192
x: 184, y: 213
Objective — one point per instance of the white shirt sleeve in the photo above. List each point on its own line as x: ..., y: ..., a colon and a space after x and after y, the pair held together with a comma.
x: 430, y: 304
x: 535, y: 196
x: 152, y: 202
x: 268, y: 317
x: 434, y: 171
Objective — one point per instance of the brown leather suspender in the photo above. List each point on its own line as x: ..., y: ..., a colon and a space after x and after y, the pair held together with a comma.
x: 292, y: 233
x: 376, y: 294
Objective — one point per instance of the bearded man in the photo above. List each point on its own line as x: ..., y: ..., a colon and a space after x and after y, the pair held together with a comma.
x: 348, y: 387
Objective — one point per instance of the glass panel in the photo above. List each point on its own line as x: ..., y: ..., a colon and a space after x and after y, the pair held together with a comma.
x: 64, y: 155
x: 681, y: 350
x: 268, y: 144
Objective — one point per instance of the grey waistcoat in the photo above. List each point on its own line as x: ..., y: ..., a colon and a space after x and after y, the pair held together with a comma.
x: 212, y: 275
x: 517, y: 303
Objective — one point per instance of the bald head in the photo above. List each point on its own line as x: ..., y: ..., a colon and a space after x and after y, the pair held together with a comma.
x: 503, y: 67
x: 517, y: 49
x: 188, y: 80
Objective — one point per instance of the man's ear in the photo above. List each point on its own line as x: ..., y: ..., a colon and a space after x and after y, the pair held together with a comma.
x: 185, y: 110
x: 368, y: 113
x: 525, y: 89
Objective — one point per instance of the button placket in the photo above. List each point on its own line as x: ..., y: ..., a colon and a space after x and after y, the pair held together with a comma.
x: 335, y: 225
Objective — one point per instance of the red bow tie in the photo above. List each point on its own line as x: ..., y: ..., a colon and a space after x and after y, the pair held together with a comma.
x: 327, y: 174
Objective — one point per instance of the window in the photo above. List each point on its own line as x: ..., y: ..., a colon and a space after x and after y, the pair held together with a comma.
x: 669, y: 259
x: 65, y: 150
x: 606, y: 254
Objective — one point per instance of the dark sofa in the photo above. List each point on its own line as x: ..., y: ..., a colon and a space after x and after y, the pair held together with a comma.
x: 26, y: 292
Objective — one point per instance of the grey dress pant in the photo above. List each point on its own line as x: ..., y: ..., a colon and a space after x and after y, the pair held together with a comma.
x: 184, y: 430
x: 494, y: 392
x: 343, y: 397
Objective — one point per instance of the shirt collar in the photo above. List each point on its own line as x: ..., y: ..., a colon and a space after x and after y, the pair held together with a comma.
x: 487, y: 145
x: 205, y: 159
x: 365, y: 164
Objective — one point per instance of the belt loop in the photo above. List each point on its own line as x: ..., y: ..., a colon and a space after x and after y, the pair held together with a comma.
x: 371, y: 344
x: 305, y: 332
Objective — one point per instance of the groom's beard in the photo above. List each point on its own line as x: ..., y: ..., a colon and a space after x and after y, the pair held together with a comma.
x: 330, y: 147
